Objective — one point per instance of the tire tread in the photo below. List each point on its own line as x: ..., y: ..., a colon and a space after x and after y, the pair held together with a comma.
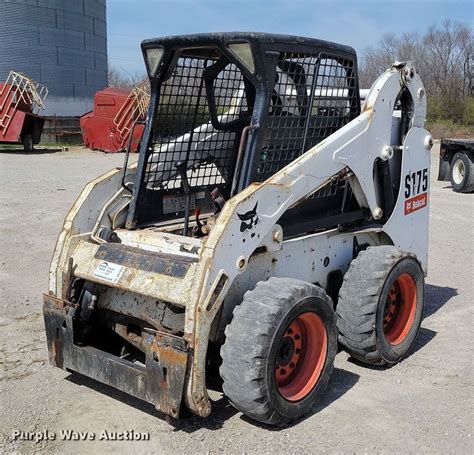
x: 358, y: 301
x: 243, y: 351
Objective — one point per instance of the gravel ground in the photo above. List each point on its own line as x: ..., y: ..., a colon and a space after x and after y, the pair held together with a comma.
x: 422, y: 405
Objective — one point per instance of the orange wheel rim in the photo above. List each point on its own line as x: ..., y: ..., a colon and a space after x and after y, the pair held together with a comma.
x: 301, y: 356
x: 400, y: 308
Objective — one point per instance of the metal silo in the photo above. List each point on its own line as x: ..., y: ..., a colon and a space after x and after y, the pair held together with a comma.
x: 60, y: 43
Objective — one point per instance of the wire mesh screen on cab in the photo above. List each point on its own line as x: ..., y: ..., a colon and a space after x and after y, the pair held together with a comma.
x: 313, y: 97
x: 183, y: 130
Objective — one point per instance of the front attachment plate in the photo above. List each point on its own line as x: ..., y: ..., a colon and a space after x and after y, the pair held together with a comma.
x: 159, y: 382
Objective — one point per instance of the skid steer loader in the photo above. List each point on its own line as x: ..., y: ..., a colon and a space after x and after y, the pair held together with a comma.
x: 268, y: 219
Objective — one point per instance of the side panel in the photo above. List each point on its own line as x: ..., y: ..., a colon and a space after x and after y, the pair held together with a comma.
x: 314, y: 258
x: 355, y: 146
x: 13, y: 132
x: 408, y: 225
x: 80, y: 222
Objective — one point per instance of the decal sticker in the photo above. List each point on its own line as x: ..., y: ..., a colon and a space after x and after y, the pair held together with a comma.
x: 416, y: 203
x: 416, y: 186
x: 200, y: 195
x: 177, y: 203
x: 109, y: 272
x: 249, y: 220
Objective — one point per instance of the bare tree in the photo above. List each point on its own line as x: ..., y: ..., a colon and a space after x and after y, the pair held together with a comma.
x: 377, y: 59
x: 447, y: 49
x: 443, y: 57
x: 121, y: 79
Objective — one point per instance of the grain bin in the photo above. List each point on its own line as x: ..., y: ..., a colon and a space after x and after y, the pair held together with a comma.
x: 60, y: 43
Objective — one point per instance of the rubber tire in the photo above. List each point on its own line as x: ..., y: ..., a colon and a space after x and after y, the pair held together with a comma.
x: 27, y: 141
x: 444, y: 171
x: 467, y: 184
x: 252, y: 341
x: 361, y: 304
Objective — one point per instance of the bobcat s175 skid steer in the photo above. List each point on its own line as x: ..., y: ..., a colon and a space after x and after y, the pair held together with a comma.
x: 268, y: 219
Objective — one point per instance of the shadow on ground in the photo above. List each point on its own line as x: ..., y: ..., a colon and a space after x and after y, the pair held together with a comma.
x: 424, y: 337
x: 79, y: 379
x: 436, y: 297
x: 222, y: 410
x: 341, y: 382
x: 21, y: 151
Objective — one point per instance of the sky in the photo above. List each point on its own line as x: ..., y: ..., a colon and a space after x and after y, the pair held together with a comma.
x: 358, y: 23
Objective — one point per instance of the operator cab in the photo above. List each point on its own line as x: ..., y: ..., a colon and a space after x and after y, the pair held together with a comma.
x: 229, y: 109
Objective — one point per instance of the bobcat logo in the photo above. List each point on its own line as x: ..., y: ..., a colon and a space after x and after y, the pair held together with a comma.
x: 249, y: 219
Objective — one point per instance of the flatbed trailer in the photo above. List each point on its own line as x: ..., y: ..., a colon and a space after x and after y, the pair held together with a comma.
x: 456, y: 157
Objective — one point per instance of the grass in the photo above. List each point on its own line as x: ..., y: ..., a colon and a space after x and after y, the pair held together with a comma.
x: 448, y: 128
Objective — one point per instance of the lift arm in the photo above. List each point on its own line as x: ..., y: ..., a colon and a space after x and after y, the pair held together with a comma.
x: 232, y: 241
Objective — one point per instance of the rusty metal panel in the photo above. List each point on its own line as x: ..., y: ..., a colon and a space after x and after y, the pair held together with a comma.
x: 55, y: 315
x: 137, y: 258
x: 156, y: 312
x: 159, y: 382
x: 166, y: 362
x: 171, y: 288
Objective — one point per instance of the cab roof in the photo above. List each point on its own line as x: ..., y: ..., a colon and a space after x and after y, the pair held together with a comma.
x: 271, y: 40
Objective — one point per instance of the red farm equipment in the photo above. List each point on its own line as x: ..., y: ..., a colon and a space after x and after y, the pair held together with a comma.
x: 109, y: 126
x: 20, y: 100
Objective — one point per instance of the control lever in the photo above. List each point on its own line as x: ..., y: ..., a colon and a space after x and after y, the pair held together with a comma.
x: 197, y: 230
x: 181, y: 167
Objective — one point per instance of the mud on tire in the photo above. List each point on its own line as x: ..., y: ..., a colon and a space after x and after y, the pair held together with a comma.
x: 380, y: 305
x: 279, y: 350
